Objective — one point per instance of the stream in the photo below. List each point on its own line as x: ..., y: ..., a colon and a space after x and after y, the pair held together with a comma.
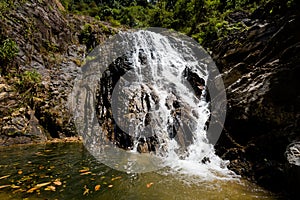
x: 69, y: 171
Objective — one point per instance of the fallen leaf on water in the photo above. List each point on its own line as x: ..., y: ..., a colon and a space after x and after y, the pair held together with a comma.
x: 57, y: 182
x: 51, y: 188
x: 4, y: 186
x: 149, y: 185
x: 110, y: 186
x: 116, y: 178
x: 32, y: 190
x: 97, y: 187
x: 20, y: 172
x: 3, y: 177
x: 37, y: 187
x: 42, y: 184
x: 85, y: 173
x: 14, y: 186
x: 19, y: 190
x: 85, y: 169
x: 86, y: 190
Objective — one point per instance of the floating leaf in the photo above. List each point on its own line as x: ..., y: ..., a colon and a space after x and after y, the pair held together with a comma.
x: 57, y: 182
x: 86, y: 190
x: 4, y: 186
x: 149, y: 185
x: 85, y: 169
x: 37, y: 187
x: 97, y: 187
x: 116, y: 178
x: 50, y: 188
x: 85, y: 173
x: 14, y: 186
x: 110, y: 186
x: 42, y: 184
x: 32, y: 190
x: 3, y: 177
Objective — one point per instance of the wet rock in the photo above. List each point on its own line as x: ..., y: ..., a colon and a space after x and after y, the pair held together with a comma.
x: 263, y: 97
x: 49, y: 43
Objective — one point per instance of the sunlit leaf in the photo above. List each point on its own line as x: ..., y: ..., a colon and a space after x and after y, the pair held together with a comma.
x: 4, y: 186
x: 38, y: 186
x: 14, y: 186
x: 116, y: 178
x: 42, y: 184
x: 85, y: 169
x: 50, y: 188
x: 20, y: 172
x: 86, y: 190
x: 3, y: 177
x: 97, y: 187
x: 110, y: 186
x: 149, y: 185
x: 57, y: 182
x: 85, y: 173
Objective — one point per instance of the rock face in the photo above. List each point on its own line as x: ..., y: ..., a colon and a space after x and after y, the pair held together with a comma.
x: 52, y: 44
x: 142, y: 101
x: 260, y: 68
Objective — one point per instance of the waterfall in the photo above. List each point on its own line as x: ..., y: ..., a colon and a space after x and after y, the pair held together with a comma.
x: 143, y: 102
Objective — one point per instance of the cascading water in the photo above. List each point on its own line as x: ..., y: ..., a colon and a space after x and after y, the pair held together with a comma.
x: 151, y: 96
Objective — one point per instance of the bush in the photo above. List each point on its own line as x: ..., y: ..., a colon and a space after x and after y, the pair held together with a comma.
x: 8, y: 51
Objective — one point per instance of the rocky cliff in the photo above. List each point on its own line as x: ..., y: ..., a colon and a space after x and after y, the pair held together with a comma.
x: 260, y: 68
x: 34, y: 86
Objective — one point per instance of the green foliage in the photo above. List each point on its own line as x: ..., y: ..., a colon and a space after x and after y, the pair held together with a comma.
x: 28, y: 81
x: 8, y: 51
x: 204, y: 20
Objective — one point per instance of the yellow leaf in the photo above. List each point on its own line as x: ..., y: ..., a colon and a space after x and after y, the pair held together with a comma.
x: 110, y: 186
x: 20, y: 172
x: 51, y: 188
x: 57, y: 182
x: 14, y: 186
x: 32, y: 190
x: 86, y: 190
x: 97, y: 187
x: 149, y: 185
x: 3, y: 177
x: 42, y: 184
x: 85, y: 173
x: 85, y: 169
x: 4, y: 186
x: 116, y: 178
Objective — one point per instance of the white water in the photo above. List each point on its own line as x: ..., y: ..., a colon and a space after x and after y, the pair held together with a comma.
x: 163, y: 75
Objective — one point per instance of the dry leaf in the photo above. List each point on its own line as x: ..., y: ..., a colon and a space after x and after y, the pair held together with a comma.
x: 42, y: 184
x: 37, y: 187
x: 85, y: 169
x: 20, y: 172
x: 149, y: 185
x: 14, y: 186
x: 32, y: 190
x: 4, y: 186
x: 3, y: 177
x: 86, y: 190
x: 51, y: 188
x: 116, y: 178
x: 97, y: 187
x: 85, y: 173
x: 57, y: 182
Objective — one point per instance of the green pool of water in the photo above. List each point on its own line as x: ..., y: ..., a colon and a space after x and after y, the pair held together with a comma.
x: 68, y: 171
